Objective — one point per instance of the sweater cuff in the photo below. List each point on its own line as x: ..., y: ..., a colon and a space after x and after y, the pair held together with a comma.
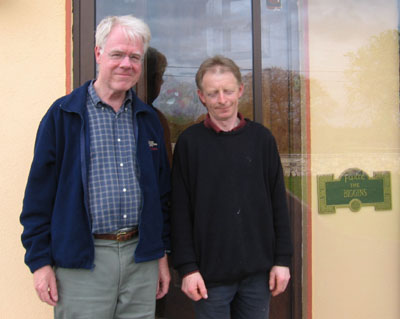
x: 283, y: 260
x: 191, y: 273
x: 33, y: 266
x: 187, y: 269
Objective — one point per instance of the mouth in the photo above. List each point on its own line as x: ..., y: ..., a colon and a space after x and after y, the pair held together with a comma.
x: 223, y: 108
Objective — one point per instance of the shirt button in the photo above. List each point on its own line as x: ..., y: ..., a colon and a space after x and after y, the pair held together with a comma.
x: 121, y: 164
x: 124, y: 216
x: 119, y: 140
x: 124, y: 190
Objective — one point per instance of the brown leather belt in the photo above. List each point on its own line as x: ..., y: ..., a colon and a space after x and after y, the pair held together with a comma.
x: 120, y: 235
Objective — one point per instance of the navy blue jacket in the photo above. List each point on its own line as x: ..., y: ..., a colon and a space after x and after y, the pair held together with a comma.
x: 55, y: 216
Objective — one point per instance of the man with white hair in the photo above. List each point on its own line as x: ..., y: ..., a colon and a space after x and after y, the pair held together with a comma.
x: 95, y: 211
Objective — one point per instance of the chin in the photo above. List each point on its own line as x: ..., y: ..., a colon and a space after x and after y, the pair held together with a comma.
x: 123, y: 87
x: 225, y: 117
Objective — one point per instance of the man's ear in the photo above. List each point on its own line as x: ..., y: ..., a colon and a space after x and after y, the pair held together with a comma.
x: 201, y: 97
x: 97, y: 54
x: 241, y: 90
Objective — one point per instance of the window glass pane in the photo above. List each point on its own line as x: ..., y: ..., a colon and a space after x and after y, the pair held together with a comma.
x: 187, y: 32
x: 281, y: 84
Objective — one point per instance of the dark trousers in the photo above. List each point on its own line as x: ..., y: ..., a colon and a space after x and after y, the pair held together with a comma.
x: 246, y: 299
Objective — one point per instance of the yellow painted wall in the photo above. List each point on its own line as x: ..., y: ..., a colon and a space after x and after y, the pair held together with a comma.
x: 32, y: 68
x: 354, y: 107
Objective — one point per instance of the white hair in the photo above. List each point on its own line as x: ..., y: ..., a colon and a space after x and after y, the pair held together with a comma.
x: 134, y: 28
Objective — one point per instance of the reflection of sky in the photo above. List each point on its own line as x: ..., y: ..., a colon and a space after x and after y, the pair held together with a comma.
x: 187, y: 32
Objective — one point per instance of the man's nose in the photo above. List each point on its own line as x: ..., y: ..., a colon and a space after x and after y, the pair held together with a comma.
x: 126, y: 62
x: 221, y: 97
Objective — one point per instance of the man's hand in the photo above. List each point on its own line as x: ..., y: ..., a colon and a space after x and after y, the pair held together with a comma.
x: 164, y: 278
x: 278, y: 279
x: 193, y: 286
x: 44, y: 281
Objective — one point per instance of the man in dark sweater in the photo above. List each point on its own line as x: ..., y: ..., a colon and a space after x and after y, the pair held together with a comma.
x: 230, y: 225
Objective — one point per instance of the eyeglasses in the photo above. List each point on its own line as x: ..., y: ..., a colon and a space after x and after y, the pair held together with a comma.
x: 120, y: 56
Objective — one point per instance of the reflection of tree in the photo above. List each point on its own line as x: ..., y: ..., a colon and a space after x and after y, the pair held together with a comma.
x: 179, y: 102
x: 281, y: 106
x: 372, y: 79
x: 325, y: 108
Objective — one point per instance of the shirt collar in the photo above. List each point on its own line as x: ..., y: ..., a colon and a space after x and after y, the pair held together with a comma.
x: 210, y: 124
x: 99, y: 103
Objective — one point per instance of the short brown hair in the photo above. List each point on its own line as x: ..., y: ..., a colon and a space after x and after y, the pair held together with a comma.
x: 217, y: 63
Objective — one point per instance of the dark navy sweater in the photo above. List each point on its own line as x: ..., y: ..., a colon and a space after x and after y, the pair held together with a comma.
x: 229, y: 209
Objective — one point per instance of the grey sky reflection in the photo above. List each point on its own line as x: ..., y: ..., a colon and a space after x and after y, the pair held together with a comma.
x: 189, y: 31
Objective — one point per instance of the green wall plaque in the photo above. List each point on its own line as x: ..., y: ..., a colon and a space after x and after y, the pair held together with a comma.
x: 354, y: 189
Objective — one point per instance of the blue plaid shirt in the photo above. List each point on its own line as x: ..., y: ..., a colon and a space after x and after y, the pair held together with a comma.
x: 115, y: 197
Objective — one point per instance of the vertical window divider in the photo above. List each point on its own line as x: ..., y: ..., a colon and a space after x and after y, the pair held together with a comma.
x: 257, y: 60
x: 84, y: 64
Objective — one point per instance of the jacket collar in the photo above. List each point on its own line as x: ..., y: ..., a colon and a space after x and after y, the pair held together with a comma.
x: 76, y: 101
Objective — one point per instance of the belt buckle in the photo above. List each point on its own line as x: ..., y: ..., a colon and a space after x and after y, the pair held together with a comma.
x: 120, y: 234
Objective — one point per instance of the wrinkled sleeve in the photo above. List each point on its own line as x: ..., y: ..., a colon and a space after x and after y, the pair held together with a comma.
x: 183, y: 255
x: 39, y: 198
x: 283, y: 244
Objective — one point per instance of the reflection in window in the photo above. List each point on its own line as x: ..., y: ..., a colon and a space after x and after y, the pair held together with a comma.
x: 281, y: 94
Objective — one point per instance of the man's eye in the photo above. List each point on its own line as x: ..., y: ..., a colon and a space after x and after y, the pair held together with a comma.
x: 116, y: 55
x: 135, y: 58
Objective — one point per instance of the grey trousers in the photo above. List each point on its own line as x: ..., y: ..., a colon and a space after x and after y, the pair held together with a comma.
x: 117, y: 288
